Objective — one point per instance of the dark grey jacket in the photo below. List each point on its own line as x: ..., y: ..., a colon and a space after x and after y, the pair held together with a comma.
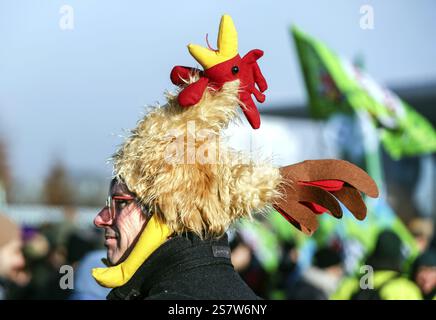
x: 186, y: 267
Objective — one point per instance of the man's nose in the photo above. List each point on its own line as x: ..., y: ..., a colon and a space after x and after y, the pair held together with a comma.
x: 103, y: 218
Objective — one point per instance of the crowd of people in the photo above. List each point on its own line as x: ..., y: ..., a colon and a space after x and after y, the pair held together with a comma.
x: 388, y: 276
x: 31, y: 260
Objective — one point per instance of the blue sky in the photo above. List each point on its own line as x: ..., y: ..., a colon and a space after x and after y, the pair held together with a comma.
x: 69, y: 93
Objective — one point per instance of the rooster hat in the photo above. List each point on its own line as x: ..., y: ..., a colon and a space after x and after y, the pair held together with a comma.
x: 177, y: 165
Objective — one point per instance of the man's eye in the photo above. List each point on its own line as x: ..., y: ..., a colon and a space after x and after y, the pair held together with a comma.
x: 121, y: 203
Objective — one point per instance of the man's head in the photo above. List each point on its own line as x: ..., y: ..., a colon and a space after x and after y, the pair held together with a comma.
x: 11, y: 257
x: 123, y: 221
x: 387, y: 254
x: 330, y: 260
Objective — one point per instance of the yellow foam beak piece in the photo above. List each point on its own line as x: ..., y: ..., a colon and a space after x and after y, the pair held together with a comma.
x: 152, y: 237
x: 227, y: 45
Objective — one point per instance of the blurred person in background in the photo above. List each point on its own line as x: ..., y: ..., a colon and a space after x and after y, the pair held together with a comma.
x: 248, y: 266
x: 422, y: 230
x: 81, y: 255
x: 85, y: 287
x: 45, y: 252
x: 11, y: 258
x: 43, y: 276
x: 288, y: 270
x: 388, y: 280
x: 79, y: 243
x: 35, y: 249
x: 321, y: 279
x: 424, y: 274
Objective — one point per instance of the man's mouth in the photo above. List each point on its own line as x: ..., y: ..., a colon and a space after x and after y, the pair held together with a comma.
x: 110, y: 238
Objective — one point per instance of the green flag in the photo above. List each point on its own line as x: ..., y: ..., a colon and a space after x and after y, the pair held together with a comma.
x: 336, y: 85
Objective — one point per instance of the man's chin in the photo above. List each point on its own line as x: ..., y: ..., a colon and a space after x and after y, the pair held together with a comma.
x: 111, y: 259
x: 112, y: 263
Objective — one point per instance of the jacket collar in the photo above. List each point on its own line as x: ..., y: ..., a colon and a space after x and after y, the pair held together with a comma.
x: 178, y: 254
